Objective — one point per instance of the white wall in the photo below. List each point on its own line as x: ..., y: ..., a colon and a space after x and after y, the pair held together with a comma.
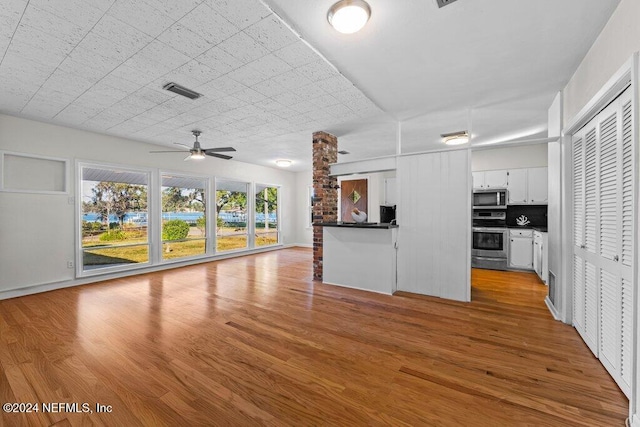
x: 37, y: 232
x: 615, y: 44
x: 525, y: 156
x: 434, y: 214
x: 555, y: 201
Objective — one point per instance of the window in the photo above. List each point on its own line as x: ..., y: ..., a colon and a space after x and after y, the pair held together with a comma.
x: 231, y: 215
x: 184, y: 231
x: 114, y: 217
x: 266, y: 215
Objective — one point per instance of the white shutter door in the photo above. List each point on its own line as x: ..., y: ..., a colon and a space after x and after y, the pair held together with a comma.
x: 591, y: 323
x: 610, y: 304
x: 608, y: 187
x: 590, y: 191
x: 578, y: 294
x: 626, y: 244
x: 578, y: 233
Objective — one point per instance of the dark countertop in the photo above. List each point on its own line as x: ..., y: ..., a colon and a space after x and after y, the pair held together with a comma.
x: 375, y: 225
x: 528, y: 227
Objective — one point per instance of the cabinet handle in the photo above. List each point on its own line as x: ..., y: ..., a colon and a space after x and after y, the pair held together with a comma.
x: 615, y: 258
x: 582, y: 246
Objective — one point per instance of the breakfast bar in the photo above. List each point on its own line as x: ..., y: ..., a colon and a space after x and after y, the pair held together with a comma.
x: 360, y: 255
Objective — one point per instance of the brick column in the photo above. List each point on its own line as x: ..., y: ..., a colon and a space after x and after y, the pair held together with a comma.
x: 325, y: 205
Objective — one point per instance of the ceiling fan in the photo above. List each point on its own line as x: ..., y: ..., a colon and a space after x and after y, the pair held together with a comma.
x: 198, y: 153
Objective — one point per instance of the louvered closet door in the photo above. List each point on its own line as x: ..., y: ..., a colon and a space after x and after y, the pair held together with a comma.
x: 578, y: 232
x: 603, y: 187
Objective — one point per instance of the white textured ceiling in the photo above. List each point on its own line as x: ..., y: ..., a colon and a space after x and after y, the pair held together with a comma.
x: 491, y: 65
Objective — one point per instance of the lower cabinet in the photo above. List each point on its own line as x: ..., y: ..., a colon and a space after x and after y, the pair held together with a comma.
x: 540, y: 255
x: 521, y: 249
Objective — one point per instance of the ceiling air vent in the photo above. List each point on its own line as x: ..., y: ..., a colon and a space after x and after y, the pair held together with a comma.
x: 181, y: 90
x: 442, y: 3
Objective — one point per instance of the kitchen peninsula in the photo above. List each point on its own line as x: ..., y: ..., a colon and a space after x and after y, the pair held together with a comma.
x: 360, y: 256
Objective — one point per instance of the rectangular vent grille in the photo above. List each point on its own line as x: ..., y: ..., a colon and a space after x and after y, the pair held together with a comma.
x: 552, y: 288
x: 443, y: 3
x: 181, y: 90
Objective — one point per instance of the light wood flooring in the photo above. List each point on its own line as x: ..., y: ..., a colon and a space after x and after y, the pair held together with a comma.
x: 254, y: 341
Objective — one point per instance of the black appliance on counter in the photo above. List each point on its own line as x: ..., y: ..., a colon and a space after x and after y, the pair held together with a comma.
x: 387, y: 213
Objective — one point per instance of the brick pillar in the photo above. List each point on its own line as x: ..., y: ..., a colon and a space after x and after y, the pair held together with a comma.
x: 325, y: 205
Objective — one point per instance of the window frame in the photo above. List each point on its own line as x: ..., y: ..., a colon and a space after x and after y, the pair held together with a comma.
x: 250, y: 222
x: 207, y: 190
x: 65, y: 162
x: 278, y: 213
x: 151, y: 221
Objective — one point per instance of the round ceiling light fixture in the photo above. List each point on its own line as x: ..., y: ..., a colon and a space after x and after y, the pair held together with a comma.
x: 283, y: 163
x: 456, y: 138
x: 349, y: 16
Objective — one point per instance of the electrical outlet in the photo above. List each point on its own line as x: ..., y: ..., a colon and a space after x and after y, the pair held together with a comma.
x: 69, y: 264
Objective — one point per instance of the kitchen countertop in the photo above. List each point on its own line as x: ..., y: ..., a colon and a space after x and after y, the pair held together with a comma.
x: 528, y: 227
x: 374, y: 225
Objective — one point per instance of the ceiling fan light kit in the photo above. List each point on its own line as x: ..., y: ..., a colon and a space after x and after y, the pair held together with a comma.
x: 198, y: 153
x: 456, y: 138
x: 349, y: 16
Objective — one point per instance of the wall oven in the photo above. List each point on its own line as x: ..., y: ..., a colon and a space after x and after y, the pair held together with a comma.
x: 489, y: 248
x: 490, y: 199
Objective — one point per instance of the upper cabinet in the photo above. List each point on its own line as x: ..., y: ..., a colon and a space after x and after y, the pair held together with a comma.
x: 517, y: 187
x: 487, y: 180
x: 538, y: 186
x: 527, y: 186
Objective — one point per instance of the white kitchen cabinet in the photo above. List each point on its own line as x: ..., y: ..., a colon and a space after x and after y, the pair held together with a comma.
x: 540, y: 255
x: 478, y: 180
x: 528, y: 186
x: 517, y: 186
x: 487, y: 180
x: 495, y: 179
x: 390, y: 191
x: 537, y: 186
x: 521, y: 249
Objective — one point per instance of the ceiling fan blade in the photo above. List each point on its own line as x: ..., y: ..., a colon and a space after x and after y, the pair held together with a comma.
x: 220, y: 156
x: 171, y: 151
x: 219, y: 149
x: 184, y: 145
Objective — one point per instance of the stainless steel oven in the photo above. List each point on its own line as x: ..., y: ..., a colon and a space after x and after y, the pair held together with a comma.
x: 490, y: 199
x: 489, y: 248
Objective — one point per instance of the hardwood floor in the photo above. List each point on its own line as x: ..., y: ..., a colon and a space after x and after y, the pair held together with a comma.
x: 253, y: 340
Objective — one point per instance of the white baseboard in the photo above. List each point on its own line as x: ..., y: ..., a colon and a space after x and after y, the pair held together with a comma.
x: 302, y: 245
x: 552, y: 309
x: 46, y: 287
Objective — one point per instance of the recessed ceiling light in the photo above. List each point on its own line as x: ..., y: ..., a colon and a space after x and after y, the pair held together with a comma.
x: 456, y: 138
x: 283, y: 163
x: 349, y: 16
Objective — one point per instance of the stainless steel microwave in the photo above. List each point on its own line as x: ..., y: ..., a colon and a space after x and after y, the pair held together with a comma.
x: 490, y: 199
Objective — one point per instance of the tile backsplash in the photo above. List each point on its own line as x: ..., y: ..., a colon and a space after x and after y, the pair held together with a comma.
x: 536, y: 214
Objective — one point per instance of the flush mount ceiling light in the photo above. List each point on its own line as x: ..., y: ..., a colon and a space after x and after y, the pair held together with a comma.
x: 349, y: 16
x: 456, y: 138
x: 283, y: 163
